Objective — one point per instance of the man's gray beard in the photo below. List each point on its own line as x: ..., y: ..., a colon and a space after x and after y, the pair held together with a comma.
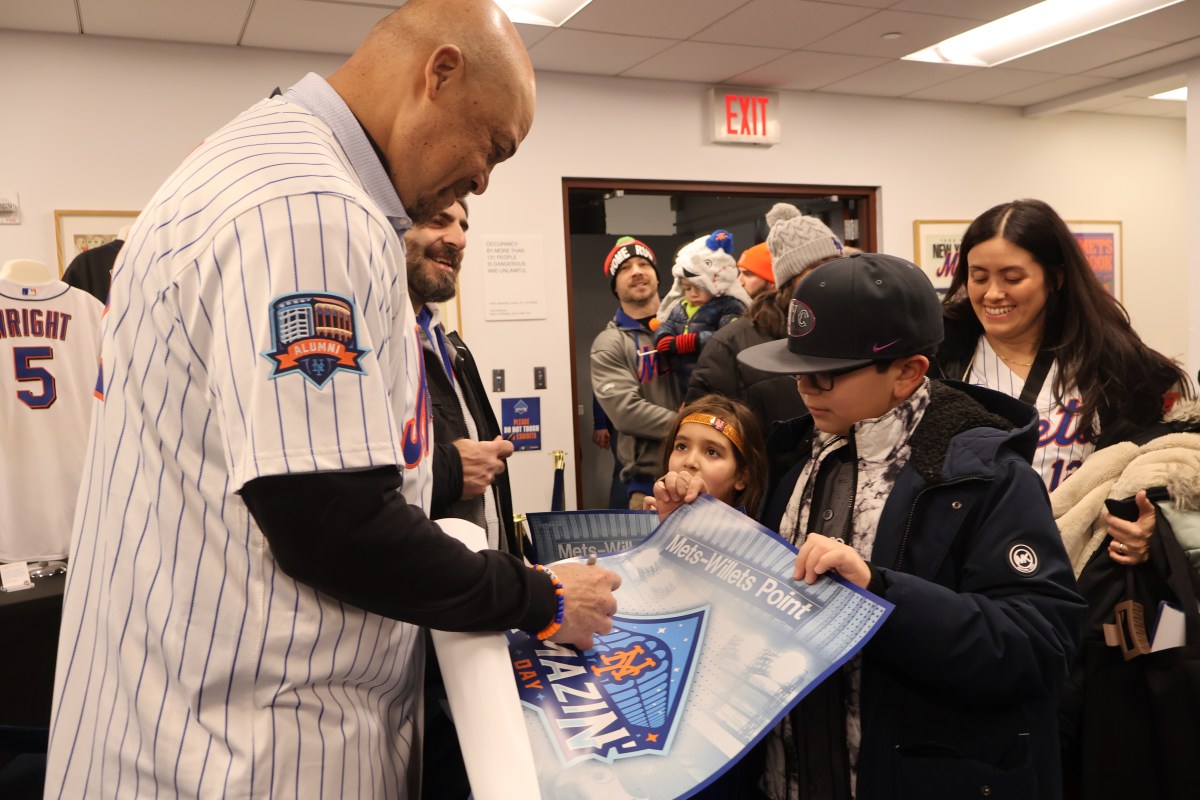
x: 429, y: 285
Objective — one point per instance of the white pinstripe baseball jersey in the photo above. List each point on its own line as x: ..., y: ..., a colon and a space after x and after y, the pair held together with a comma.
x: 259, y: 324
x: 49, y: 346
x: 1060, y: 448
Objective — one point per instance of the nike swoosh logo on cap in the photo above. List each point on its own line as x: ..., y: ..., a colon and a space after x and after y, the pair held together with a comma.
x: 877, y: 348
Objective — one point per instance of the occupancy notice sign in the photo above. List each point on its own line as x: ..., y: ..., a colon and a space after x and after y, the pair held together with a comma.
x: 712, y: 644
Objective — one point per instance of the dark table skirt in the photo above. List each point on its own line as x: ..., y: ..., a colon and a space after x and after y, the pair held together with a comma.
x: 29, y: 622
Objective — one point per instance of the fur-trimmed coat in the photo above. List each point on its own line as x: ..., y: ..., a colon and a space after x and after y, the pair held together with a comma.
x: 1118, y: 472
x: 1131, y: 725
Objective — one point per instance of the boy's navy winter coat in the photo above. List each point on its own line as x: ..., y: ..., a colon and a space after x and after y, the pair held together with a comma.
x: 959, y: 687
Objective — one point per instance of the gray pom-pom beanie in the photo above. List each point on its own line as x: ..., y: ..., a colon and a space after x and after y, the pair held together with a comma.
x: 796, y: 242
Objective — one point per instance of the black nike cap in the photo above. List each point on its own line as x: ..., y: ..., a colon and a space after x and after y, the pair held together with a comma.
x: 852, y: 311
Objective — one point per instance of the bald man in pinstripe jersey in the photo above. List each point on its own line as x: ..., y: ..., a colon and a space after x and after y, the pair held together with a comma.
x: 252, y: 551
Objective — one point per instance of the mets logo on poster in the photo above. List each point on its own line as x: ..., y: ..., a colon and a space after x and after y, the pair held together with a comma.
x: 313, y: 333
x: 622, y: 698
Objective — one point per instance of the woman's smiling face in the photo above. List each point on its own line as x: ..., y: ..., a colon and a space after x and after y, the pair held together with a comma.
x: 1008, y: 291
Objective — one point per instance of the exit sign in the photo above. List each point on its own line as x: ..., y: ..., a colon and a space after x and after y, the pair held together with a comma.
x: 744, y: 116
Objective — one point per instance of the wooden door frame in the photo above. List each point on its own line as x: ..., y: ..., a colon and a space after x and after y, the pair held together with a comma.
x: 867, y: 225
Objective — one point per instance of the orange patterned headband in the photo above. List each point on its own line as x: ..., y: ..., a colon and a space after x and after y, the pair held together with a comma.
x: 719, y: 424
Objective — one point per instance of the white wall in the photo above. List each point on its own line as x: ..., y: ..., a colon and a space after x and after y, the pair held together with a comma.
x: 97, y: 124
x: 1189, y: 289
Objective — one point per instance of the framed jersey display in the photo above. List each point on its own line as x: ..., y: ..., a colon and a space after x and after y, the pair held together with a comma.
x: 77, y: 231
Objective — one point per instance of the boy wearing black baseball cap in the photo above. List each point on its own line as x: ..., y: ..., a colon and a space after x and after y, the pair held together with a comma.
x: 922, y: 492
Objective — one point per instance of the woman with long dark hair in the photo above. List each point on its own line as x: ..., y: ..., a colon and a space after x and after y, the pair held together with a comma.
x: 1026, y: 315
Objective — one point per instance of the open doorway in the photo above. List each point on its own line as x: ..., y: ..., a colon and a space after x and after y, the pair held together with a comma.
x: 667, y: 215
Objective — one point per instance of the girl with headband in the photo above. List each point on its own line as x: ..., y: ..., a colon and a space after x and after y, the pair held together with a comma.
x: 720, y: 441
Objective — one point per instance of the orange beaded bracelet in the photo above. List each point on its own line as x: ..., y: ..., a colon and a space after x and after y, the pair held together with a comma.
x: 559, y: 602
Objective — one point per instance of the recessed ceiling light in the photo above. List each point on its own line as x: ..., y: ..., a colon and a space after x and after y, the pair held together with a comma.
x: 892, y: 35
x: 1034, y: 28
x: 1174, y: 94
x: 552, y: 13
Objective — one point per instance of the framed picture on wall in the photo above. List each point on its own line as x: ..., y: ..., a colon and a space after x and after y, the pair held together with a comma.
x: 77, y: 231
x: 1101, y: 243
x: 935, y: 248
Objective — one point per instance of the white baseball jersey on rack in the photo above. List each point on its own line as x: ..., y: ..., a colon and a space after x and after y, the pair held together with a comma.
x: 49, y: 346
x: 259, y: 324
x: 1060, y: 448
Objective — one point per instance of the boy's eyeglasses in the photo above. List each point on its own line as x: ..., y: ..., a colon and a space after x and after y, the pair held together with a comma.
x: 823, y: 381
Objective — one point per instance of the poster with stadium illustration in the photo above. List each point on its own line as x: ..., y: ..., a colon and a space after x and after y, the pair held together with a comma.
x: 712, y: 644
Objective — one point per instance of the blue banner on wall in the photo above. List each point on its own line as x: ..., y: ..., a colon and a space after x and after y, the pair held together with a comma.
x: 521, y: 422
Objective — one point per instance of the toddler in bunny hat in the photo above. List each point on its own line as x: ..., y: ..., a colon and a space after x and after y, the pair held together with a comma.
x: 705, y: 297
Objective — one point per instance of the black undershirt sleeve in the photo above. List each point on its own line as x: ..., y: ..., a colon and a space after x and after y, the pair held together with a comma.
x: 447, y: 478
x: 353, y: 536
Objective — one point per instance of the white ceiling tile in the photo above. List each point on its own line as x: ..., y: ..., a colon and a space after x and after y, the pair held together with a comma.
x: 1156, y: 86
x: 862, y: 3
x: 1129, y: 94
x: 532, y: 34
x: 982, y: 85
x: 593, y: 53
x: 1164, y: 56
x: 1050, y: 90
x: 980, y: 10
x: 1084, y: 53
x: 387, y: 5
x: 703, y: 62
x: 789, y: 24
x: 897, y: 78
x: 918, y: 32
x: 318, y: 27
x: 806, y: 71
x: 671, y: 19
x: 1172, y: 24
x: 211, y: 22
x: 805, y: 45
x: 1101, y: 102
x: 51, y: 16
x: 1148, y: 108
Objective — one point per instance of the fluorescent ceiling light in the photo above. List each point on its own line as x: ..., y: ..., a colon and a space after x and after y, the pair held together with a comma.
x: 551, y: 13
x: 1035, y: 28
x: 1174, y: 94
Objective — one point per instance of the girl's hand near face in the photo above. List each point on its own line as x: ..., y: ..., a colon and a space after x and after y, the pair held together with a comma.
x: 673, y: 490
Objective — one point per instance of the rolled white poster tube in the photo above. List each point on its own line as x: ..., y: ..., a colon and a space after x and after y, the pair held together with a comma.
x: 483, y: 701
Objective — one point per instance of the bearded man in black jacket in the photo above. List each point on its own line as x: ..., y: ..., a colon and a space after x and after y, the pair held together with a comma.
x: 469, y: 478
x: 469, y: 454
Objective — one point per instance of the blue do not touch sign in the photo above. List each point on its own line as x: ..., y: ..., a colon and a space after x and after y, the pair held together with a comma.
x: 521, y: 422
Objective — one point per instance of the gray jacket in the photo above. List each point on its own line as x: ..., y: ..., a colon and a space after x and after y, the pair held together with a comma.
x: 639, y: 399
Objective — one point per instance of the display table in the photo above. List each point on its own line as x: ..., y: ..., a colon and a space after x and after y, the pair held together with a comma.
x: 30, y: 620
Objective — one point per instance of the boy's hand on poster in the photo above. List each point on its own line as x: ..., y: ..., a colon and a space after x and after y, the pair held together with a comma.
x: 820, y: 554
